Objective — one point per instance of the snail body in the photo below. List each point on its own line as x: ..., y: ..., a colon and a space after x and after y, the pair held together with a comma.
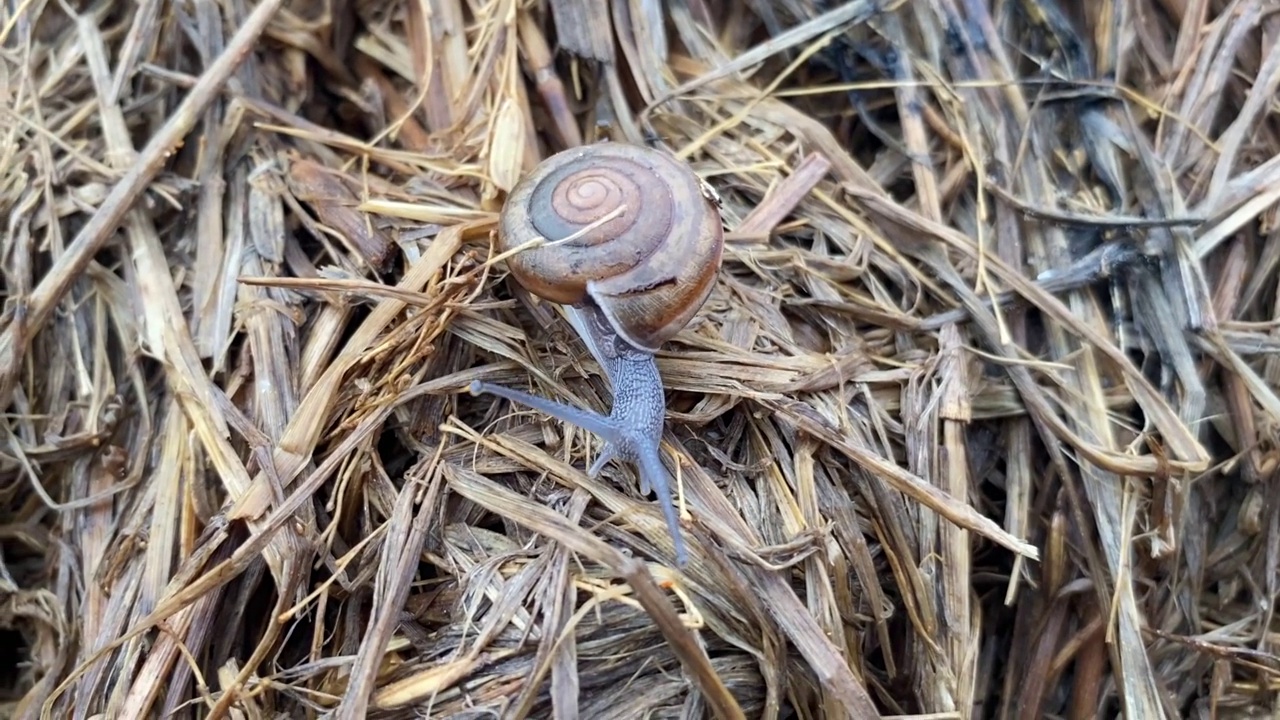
x: 634, y: 245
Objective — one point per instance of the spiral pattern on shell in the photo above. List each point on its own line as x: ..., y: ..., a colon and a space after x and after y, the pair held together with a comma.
x: 632, y: 230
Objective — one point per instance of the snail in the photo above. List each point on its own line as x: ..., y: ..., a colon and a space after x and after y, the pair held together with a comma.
x: 633, y: 247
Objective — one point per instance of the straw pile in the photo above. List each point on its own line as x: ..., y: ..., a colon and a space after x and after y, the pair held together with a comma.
x: 978, y: 421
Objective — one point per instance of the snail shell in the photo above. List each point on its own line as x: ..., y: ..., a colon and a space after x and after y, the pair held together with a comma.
x: 649, y: 268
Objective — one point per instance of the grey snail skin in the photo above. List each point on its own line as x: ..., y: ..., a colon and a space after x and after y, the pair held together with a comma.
x: 634, y: 241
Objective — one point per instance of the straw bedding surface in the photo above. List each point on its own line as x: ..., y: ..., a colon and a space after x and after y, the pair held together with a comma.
x: 979, y: 420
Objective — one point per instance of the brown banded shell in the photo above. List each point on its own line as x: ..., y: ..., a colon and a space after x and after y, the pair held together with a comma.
x: 650, y: 267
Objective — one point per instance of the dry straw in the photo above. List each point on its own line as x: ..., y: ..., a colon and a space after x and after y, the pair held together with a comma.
x: 979, y: 421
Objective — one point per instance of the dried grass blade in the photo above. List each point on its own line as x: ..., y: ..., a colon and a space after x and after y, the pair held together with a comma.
x: 808, y: 421
x: 71, y: 263
x: 303, y: 432
x: 497, y: 499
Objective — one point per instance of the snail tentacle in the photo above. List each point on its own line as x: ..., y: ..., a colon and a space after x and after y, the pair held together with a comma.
x: 586, y: 419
